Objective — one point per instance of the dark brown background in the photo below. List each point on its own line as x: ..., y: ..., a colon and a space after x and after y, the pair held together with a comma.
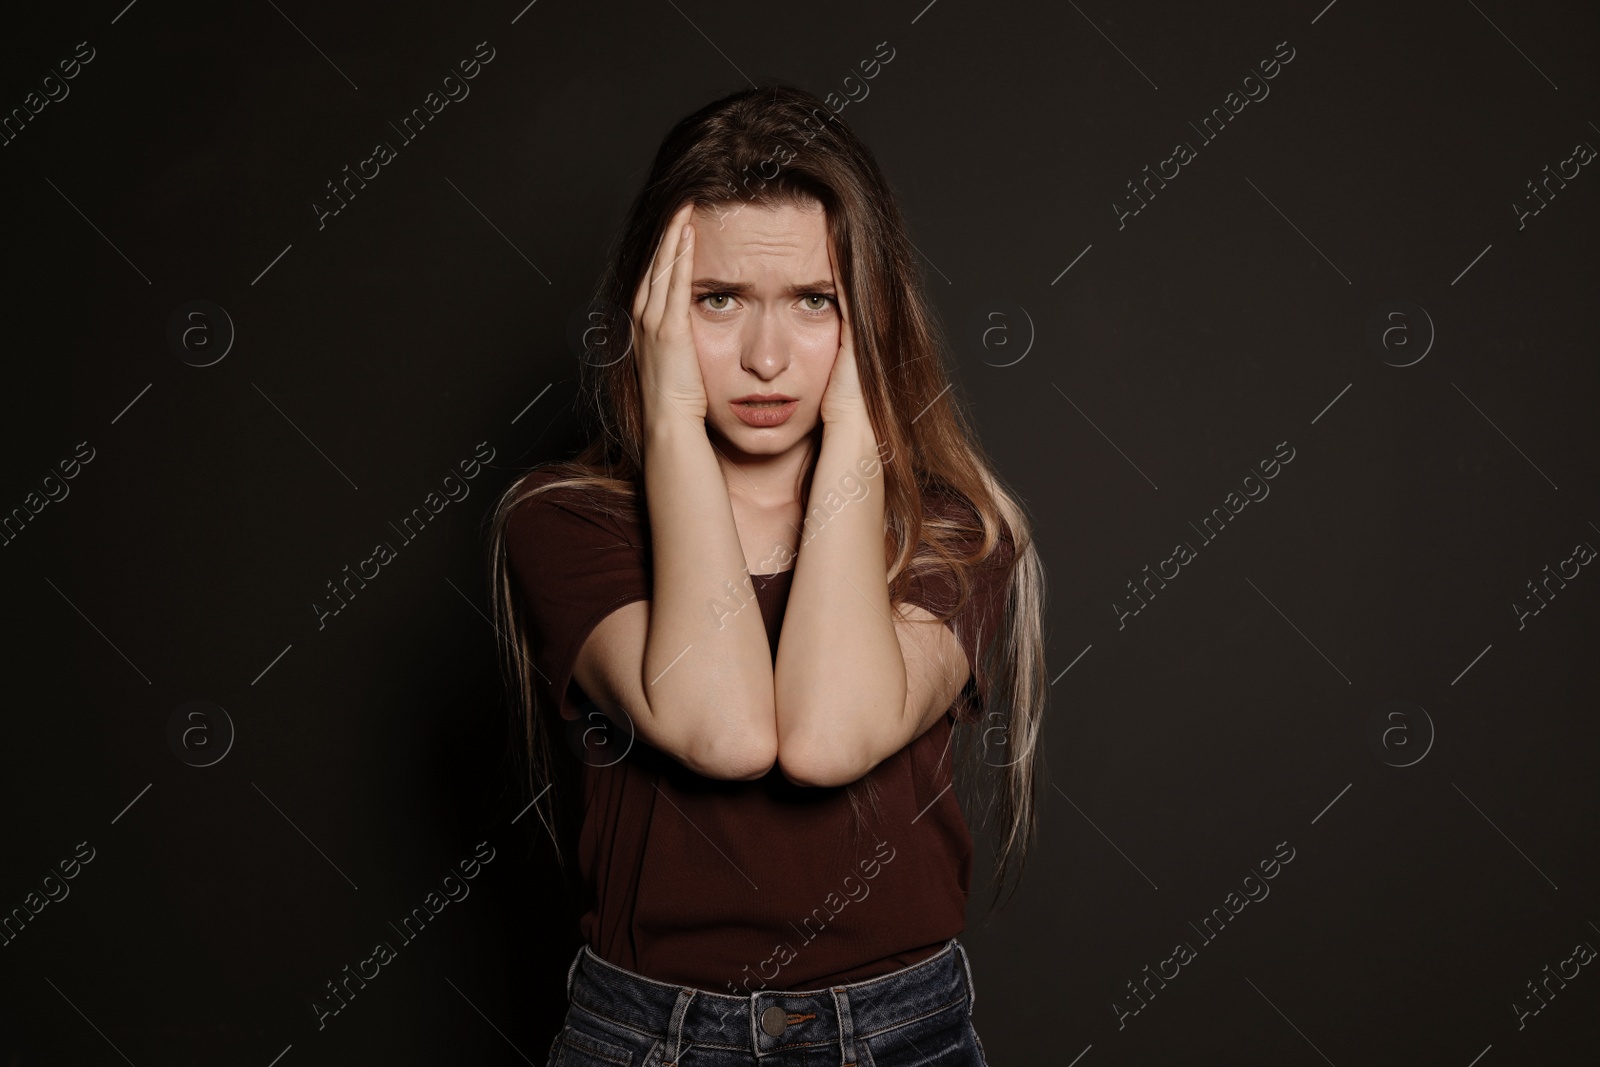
x: 1233, y: 313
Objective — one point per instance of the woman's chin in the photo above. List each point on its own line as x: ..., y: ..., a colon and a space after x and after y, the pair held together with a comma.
x: 760, y: 440
x: 755, y: 440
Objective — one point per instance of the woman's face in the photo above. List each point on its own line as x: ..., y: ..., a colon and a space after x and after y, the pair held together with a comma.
x: 764, y: 319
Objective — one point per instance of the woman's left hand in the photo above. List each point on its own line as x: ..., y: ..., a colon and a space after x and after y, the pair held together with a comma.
x: 842, y: 399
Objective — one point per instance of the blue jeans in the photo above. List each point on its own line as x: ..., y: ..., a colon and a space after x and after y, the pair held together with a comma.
x: 918, y: 1016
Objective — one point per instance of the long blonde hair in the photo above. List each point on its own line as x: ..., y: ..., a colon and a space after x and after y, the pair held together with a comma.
x: 721, y: 155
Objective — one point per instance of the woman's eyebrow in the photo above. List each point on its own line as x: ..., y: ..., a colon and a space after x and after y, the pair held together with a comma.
x: 716, y: 285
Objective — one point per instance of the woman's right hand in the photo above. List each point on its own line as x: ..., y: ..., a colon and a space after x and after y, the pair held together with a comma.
x: 664, y: 352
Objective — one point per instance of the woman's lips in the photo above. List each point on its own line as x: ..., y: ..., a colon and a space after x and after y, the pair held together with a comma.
x: 764, y: 413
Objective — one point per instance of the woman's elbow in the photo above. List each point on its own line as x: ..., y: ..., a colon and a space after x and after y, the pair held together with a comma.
x: 817, y: 765
x: 734, y: 759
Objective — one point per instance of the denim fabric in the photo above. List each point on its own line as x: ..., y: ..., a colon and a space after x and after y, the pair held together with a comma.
x: 918, y: 1016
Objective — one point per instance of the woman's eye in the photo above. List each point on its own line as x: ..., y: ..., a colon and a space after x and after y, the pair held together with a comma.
x: 715, y: 302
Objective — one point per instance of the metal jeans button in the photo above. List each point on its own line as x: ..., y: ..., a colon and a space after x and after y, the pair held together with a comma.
x: 773, y: 1021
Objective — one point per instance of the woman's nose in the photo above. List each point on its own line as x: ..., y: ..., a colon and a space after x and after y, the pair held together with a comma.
x: 766, y: 348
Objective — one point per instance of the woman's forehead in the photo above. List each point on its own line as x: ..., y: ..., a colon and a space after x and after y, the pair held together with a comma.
x: 759, y: 238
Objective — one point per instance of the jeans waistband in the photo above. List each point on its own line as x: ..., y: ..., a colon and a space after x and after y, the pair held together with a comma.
x: 770, y: 1020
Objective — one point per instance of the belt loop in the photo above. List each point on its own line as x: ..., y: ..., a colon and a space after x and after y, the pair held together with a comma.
x: 847, y: 1027
x: 966, y: 966
x: 573, y: 969
x: 674, y: 1038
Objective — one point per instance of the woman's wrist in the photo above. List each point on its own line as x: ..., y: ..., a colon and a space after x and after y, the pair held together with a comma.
x: 673, y: 440
x: 662, y: 416
x: 853, y: 427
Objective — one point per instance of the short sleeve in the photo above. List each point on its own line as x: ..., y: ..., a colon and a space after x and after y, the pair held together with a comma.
x: 978, y: 621
x: 573, y: 565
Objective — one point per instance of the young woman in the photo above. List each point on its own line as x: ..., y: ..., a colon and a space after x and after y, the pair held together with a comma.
x: 763, y: 604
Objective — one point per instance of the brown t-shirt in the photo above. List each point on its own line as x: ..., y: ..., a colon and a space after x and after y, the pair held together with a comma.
x: 731, y: 886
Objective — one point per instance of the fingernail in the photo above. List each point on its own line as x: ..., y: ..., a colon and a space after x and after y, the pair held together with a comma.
x: 686, y: 231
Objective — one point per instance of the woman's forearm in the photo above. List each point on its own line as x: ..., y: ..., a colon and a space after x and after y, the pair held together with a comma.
x: 707, y: 659
x: 840, y: 677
